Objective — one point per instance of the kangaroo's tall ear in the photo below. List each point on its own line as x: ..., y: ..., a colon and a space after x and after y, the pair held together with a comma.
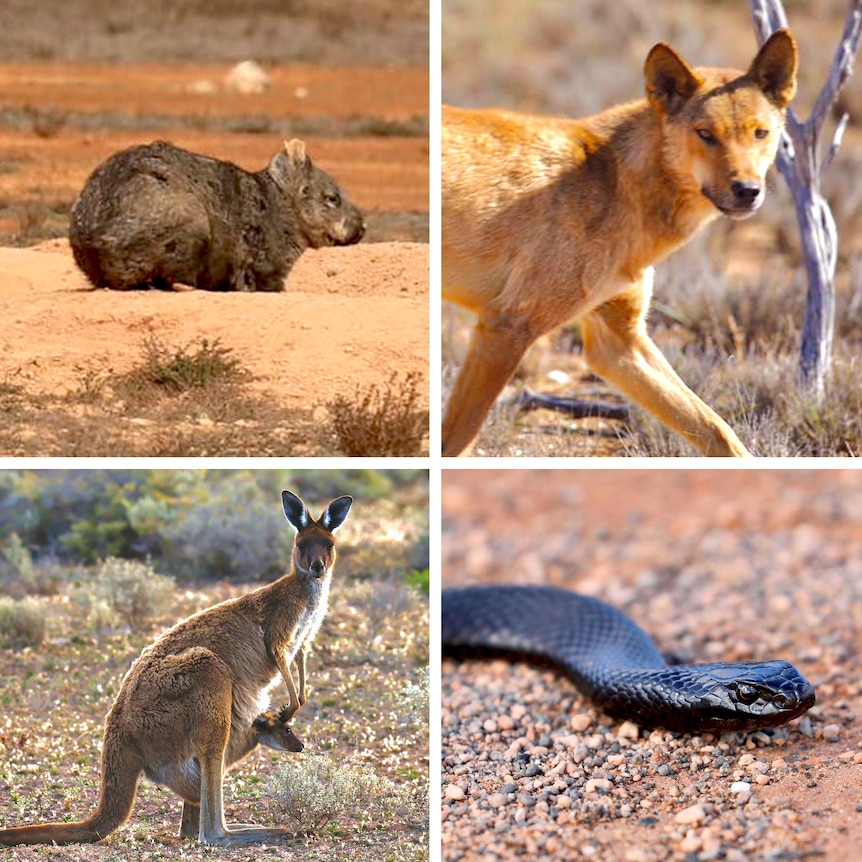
x: 774, y: 68
x: 335, y: 513
x: 294, y: 510
x: 670, y: 81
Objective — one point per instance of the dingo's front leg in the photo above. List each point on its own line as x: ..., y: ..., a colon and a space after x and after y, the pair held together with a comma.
x: 496, y: 348
x: 617, y: 348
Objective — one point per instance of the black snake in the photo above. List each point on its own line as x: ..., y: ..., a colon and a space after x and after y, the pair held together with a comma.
x: 617, y: 664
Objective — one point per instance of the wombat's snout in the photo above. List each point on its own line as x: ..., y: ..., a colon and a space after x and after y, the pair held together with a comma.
x: 352, y: 230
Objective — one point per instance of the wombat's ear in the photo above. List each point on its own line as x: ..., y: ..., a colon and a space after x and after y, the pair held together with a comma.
x: 295, y: 151
x: 289, y: 162
x: 280, y: 169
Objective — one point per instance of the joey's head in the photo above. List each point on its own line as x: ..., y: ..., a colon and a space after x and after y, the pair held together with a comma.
x: 721, y: 128
x: 273, y: 731
x: 314, y: 547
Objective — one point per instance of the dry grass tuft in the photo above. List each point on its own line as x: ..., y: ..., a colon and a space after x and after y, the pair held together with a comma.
x: 383, y: 420
x: 176, y: 370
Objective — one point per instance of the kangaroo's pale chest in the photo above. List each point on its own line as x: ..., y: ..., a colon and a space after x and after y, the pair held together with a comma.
x: 310, y: 618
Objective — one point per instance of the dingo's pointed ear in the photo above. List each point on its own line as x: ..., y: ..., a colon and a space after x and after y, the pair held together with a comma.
x: 294, y: 511
x: 335, y: 513
x: 774, y: 68
x: 670, y: 81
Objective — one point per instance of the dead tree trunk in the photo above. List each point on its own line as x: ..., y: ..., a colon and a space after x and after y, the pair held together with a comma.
x: 802, y: 165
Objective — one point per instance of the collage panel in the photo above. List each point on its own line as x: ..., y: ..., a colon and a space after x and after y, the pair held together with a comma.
x: 214, y: 229
x: 650, y: 229
x: 644, y: 665
x: 230, y: 657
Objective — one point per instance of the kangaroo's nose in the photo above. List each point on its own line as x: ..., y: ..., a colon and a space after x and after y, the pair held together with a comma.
x: 317, y: 567
x: 745, y: 192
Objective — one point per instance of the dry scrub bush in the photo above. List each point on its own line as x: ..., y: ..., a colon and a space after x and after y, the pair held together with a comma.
x: 16, y: 565
x: 133, y: 590
x: 383, y: 420
x: 315, y: 791
x: 736, y: 344
x: 388, y: 599
x: 174, y: 370
x: 22, y: 622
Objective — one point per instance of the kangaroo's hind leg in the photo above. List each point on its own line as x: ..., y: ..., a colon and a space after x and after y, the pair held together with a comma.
x: 210, y: 743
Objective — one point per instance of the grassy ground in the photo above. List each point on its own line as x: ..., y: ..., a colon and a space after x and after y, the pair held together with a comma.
x: 367, y: 712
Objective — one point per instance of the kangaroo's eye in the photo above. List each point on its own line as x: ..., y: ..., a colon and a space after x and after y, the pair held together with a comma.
x: 760, y: 134
x: 707, y: 136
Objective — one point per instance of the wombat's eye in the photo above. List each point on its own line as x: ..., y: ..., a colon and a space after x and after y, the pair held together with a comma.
x: 332, y: 199
x: 760, y: 134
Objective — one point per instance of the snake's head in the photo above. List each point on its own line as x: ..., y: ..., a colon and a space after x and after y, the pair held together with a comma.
x: 747, y: 696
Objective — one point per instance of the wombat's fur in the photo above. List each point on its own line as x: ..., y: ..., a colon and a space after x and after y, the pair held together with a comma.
x: 158, y: 215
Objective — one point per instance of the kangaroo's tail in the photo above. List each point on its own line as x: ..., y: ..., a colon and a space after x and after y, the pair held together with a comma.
x: 121, y: 769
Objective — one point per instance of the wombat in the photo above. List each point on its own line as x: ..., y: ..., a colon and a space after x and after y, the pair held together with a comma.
x: 158, y: 216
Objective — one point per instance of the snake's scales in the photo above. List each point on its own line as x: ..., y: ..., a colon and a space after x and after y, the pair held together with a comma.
x: 616, y: 663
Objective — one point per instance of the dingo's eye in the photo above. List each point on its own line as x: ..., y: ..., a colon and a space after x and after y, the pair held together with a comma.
x: 706, y: 136
x: 760, y: 134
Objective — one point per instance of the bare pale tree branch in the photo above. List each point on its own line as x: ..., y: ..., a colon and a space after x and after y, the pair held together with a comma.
x: 801, y: 164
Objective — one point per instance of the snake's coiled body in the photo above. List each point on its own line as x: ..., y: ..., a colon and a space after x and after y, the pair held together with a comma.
x: 617, y: 664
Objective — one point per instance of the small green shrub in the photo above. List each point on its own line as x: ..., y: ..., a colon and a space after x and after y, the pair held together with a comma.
x: 179, y: 369
x: 17, y: 562
x: 420, y: 579
x: 133, y: 590
x: 384, y: 420
x: 316, y: 791
x: 22, y: 622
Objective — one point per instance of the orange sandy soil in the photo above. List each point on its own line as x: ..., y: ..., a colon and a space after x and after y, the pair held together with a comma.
x: 340, y: 323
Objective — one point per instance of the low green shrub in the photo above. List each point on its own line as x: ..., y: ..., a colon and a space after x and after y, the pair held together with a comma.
x: 22, y: 621
x: 133, y: 590
x: 316, y: 791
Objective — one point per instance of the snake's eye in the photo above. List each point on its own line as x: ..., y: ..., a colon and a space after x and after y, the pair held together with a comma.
x: 747, y: 694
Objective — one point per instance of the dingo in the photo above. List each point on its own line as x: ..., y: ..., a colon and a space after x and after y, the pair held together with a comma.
x: 549, y: 219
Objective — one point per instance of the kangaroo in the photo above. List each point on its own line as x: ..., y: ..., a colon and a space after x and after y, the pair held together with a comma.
x: 187, y: 707
x: 549, y: 219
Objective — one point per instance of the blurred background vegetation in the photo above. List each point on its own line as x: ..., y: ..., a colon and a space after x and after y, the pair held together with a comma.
x: 202, y: 525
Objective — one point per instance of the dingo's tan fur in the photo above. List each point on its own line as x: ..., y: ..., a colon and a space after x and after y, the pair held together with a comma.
x: 549, y: 219
x: 189, y: 706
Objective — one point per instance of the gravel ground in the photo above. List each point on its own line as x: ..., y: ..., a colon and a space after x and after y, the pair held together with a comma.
x: 715, y: 565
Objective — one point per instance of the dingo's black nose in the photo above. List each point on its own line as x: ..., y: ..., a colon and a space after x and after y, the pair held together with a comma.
x: 745, y: 193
